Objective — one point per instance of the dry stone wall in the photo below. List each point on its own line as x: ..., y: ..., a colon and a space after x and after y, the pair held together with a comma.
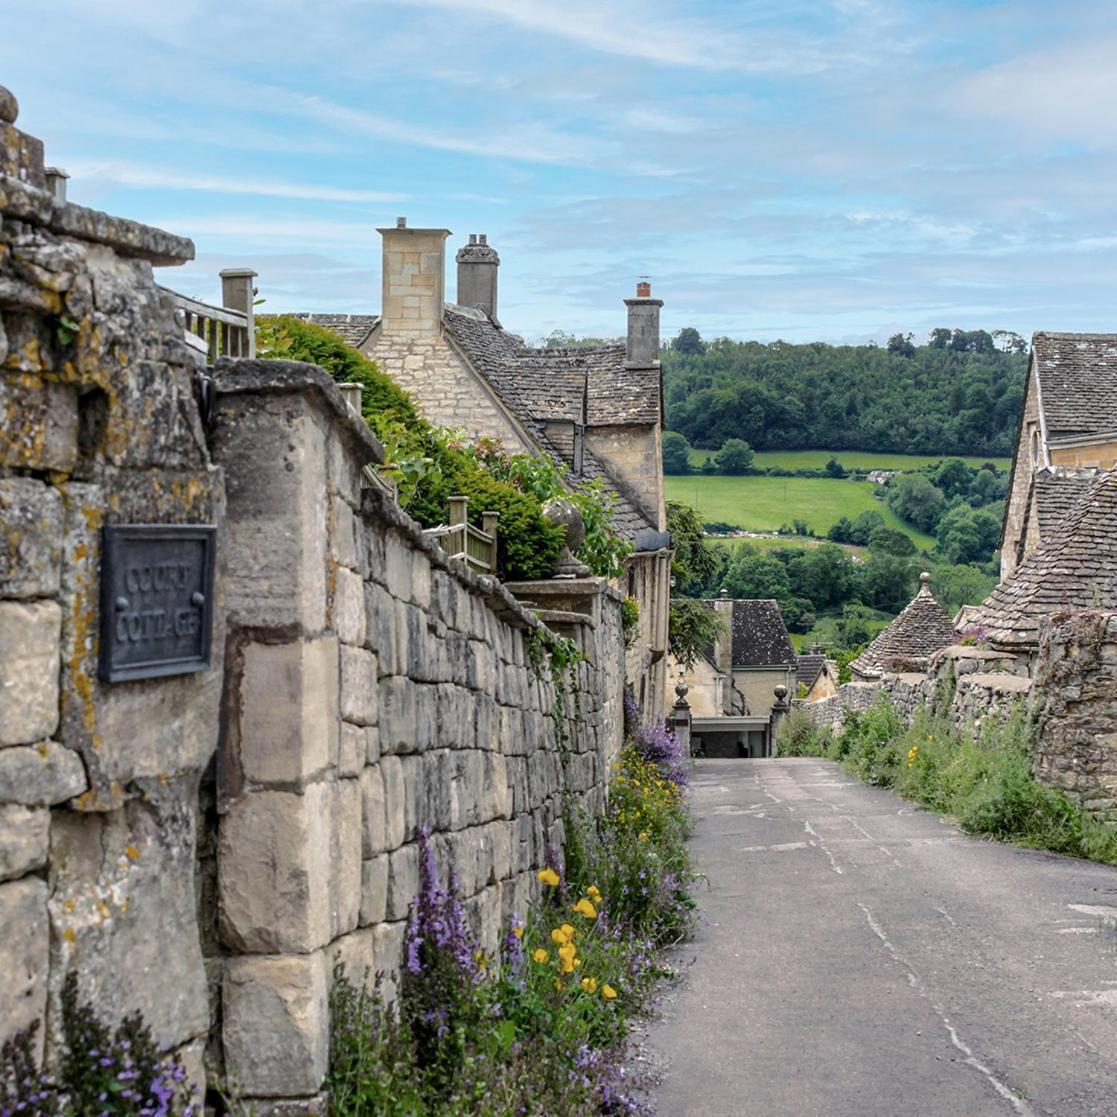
x: 372, y: 687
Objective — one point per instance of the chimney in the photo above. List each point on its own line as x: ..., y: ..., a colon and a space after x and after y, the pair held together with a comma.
x: 477, y: 267
x: 642, y: 350
x: 414, y: 279
x: 723, y: 642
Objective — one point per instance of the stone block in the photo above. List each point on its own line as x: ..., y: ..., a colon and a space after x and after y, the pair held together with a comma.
x: 274, y: 871
x: 359, y: 702
x: 374, y: 890
x: 276, y: 1024
x: 398, y: 562
x: 388, y: 948
x: 345, y: 856
x: 356, y: 954
x: 494, y: 793
x: 24, y: 954
x: 40, y: 775
x: 395, y: 829
x: 374, y: 834
x: 288, y: 724
x: 380, y: 609
x: 349, y: 607
x: 30, y: 538
x: 343, y: 534
x: 416, y: 793
x: 39, y: 421
x: 372, y: 744
x: 454, y: 720
x: 24, y: 839
x: 352, y: 750
x: 399, y: 729
x: 123, y: 911
x: 403, y: 879
x: 30, y: 636
x: 316, y: 1106
x: 273, y: 452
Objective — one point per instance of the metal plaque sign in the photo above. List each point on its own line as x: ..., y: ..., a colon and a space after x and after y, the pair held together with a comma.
x: 156, y: 599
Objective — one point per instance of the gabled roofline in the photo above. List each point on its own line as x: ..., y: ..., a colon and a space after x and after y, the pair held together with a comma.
x: 1072, y: 440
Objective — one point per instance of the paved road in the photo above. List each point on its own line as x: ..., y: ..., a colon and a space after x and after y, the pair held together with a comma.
x: 862, y: 958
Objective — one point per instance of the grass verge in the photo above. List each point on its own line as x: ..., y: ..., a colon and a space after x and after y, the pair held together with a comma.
x: 983, y: 780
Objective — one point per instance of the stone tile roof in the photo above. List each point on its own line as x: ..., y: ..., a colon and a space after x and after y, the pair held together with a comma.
x: 808, y: 667
x: 353, y: 329
x: 923, y: 628
x: 1057, y: 492
x: 1078, y: 382
x: 1076, y: 568
x: 552, y: 384
x: 759, y: 635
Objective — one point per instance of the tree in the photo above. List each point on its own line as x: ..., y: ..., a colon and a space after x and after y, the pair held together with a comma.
x: 954, y: 477
x: 834, y: 468
x: 915, y: 499
x: 864, y: 526
x: 955, y: 586
x: 854, y: 627
x: 675, y: 453
x: 826, y: 575
x: 734, y: 457
x: 965, y: 535
x: 757, y: 576
x: 939, y: 339
x: 688, y: 342
x: 891, y: 541
x: 902, y: 345
x: 695, y: 561
x: 886, y: 582
x: 840, y: 530
x: 692, y: 626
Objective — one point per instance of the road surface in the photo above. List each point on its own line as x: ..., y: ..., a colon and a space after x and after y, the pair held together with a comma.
x: 859, y: 957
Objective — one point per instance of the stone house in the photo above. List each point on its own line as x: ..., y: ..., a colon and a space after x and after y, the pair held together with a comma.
x: 732, y: 686
x: 596, y: 412
x: 1068, y: 431
x: 817, y: 674
x: 907, y: 644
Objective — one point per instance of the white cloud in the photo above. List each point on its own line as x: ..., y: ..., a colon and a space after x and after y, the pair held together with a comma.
x: 123, y: 174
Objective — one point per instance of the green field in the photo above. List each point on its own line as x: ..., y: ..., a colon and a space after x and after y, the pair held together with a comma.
x: 764, y: 503
x: 766, y: 543
x: 851, y: 459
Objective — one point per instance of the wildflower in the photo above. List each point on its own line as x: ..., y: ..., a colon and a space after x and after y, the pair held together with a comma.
x: 558, y: 984
x: 568, y: 954
x: 594, y: 893
x: 549, y: 877
x: 608, y: 992
x: 559, y: 936
x: 589, y: 984
x: 584, y: 907
x: 518, y: 931
x: 568, y: 931
x: 541, y: 956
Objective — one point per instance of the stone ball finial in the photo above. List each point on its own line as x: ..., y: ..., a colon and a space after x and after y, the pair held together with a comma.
x: 780, y: 692
x: 564, y: 513
x: 9, y: 106
x: 681, y: 689
x: 925, y: 577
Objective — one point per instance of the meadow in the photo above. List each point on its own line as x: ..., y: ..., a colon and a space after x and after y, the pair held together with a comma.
x: 759, y: 503
x: 851, y: 459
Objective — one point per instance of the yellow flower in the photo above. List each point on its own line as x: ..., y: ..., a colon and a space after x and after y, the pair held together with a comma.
x: 567, y: 953
x: 559, y: 935
x: 568, y: 931
x: 589, y: 984
x: 548, y: 876
x: 608, y: 992
x: 594, y: 893
x: 518, y: 932
x: 540, y: 956
x: 584, y: 907
x: 558, y: 984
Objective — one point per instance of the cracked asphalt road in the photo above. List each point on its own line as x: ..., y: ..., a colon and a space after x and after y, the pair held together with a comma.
x: 860, y: 957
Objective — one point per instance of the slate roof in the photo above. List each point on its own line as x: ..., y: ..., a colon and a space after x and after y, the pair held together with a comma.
x: 1078, y: 382
x: 923, y: 628
x: 353, y: 329
x: 759, y: 635
x: 1076, y: 568
x: 808, y: 667
x: 1057, y: 493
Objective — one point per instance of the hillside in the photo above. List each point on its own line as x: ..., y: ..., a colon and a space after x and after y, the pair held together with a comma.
x: 959, y: 395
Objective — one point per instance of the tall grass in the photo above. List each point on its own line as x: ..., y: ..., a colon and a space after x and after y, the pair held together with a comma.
x: 983, y: 780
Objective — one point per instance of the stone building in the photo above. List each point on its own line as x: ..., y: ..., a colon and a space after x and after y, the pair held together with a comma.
x: 907, y: 644
x: 597, y: 412
x: 1068, y: 431
x: 816, y: 674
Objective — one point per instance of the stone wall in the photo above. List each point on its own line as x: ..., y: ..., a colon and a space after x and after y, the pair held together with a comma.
x: 202, y: 848
x: 372, y: 687
x: 98, y: 781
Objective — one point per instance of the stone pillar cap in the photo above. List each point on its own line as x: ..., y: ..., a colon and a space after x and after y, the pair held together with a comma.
x: 236, y: 273
x: 9, y: 106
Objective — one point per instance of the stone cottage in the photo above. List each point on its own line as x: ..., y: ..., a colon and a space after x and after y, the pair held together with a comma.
x: 596, y: 412
x: 907, y: 644
x: 1068, y: 432
x: 816, y: 674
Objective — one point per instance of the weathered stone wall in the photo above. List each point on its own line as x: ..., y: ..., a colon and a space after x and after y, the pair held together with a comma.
x: 633, y: 455
x: 372, y: 687
x: 98, y: 781
x: 1076, y: 682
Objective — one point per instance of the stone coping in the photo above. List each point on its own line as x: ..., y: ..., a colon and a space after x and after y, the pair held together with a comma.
x: 1008, y: 684
x: 564, y: 616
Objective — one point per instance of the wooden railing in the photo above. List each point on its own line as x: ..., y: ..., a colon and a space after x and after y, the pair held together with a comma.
x: 221, y: 331
x: 460, y: 539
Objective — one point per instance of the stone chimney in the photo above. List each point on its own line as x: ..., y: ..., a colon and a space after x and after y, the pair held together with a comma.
x: 643, y: 328
x: 414, y: 279
x: 477, y: 268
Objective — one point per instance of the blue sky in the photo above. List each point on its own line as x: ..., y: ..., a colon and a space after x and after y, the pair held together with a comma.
x: 829, y: 170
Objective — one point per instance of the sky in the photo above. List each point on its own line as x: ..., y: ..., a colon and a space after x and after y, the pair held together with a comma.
x: 833, y: 170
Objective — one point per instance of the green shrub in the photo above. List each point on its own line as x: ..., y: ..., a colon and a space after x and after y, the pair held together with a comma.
x: 800, y: 736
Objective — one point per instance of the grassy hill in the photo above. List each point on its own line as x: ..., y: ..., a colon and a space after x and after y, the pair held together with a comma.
x: 851, y: 459
x: 765, y: 503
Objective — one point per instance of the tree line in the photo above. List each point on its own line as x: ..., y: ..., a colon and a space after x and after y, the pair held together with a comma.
x: 960, y: 393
